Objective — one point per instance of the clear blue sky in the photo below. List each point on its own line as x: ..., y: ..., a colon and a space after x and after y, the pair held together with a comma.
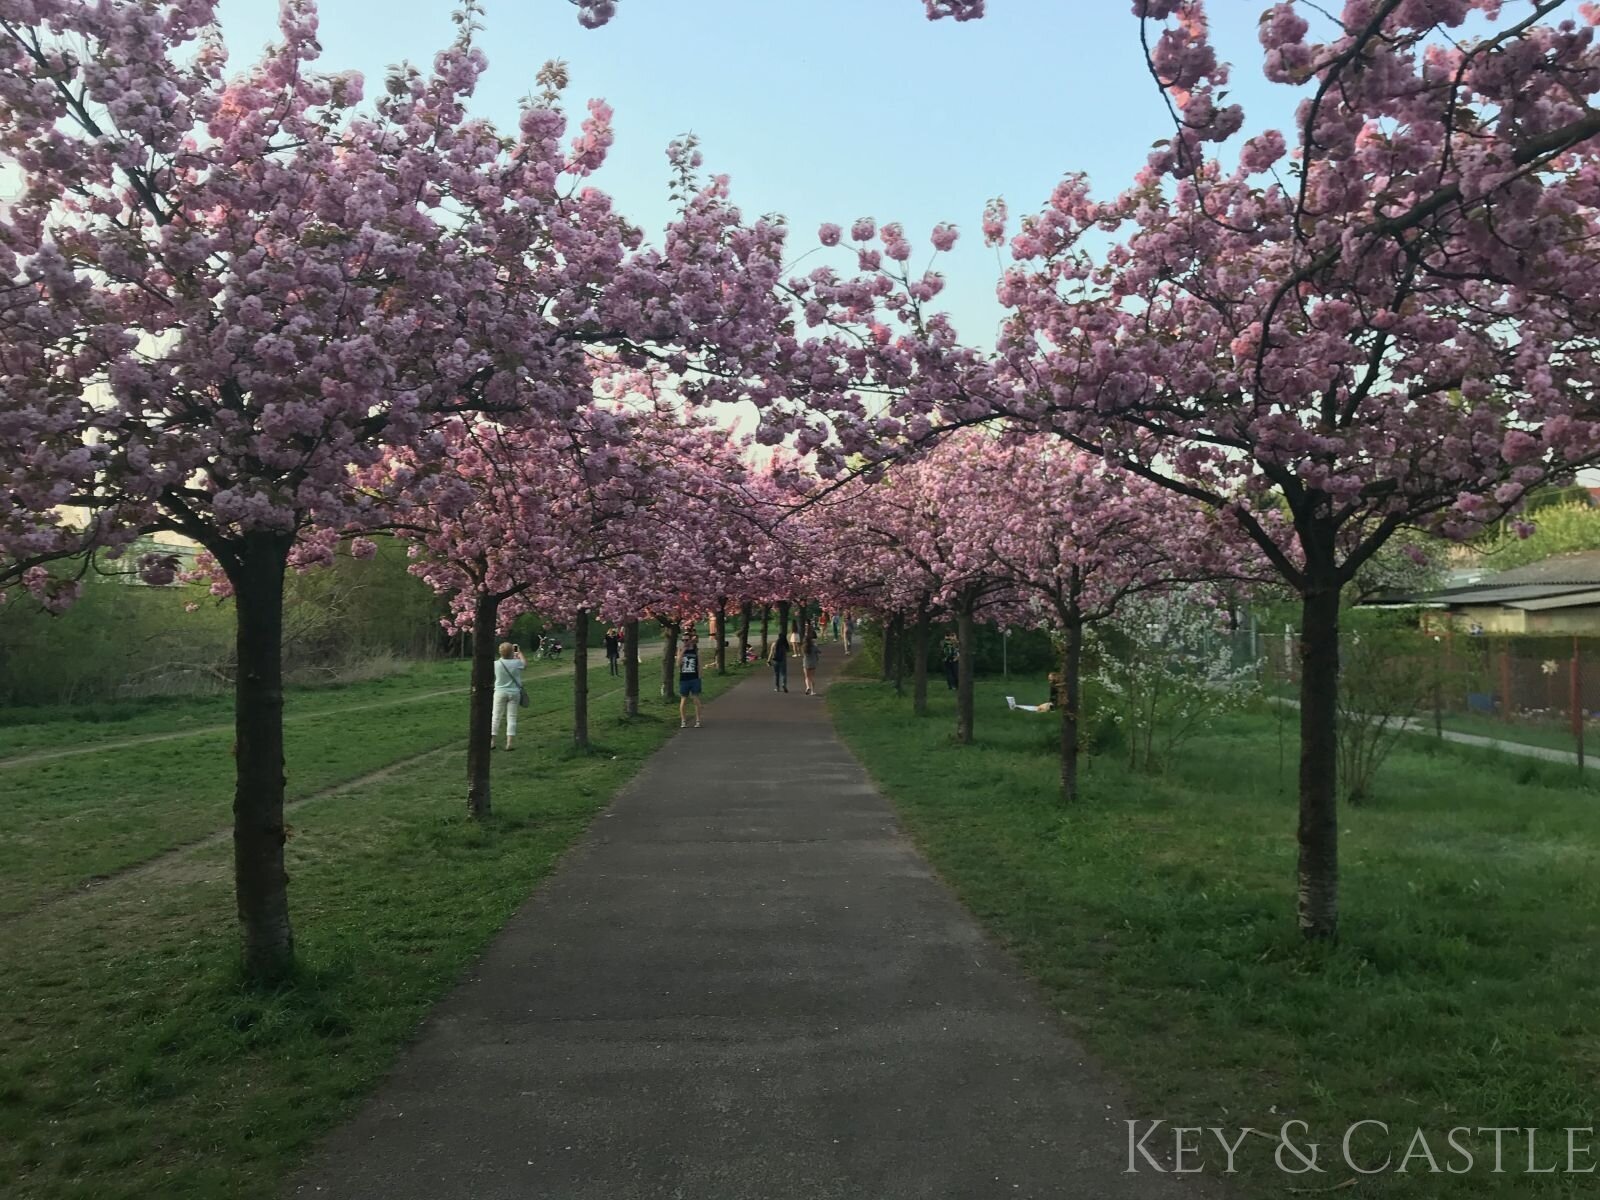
x: 826, y: 109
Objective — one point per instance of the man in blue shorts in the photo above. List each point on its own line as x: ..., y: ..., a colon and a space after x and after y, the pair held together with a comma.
x: 689, y: 680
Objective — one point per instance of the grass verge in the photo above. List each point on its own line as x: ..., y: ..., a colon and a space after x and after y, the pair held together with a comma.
x: 1158, y: 913
x: 135, y: 1064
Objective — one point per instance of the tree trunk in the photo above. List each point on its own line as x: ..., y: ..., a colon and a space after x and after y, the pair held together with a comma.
x: 1071, y: 666
x: 783, y: 620
x: 1319, y: 763
x: 898, y: 628
x: 919, y: 665
x: 766, y: 617
x: 261, y: 884
x: 669, y: 661
x: 886, y: 668
x: 964, y: 673
x: 480, y: 705
x: 630, y: 667
x: 721, y: 632
x: 745, y: 611
x: 580, y: 679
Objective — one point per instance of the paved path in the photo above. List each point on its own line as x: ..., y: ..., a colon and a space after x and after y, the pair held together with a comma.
x: 1522, y: 749
x: 744, y: 983
x: 1526, y: 750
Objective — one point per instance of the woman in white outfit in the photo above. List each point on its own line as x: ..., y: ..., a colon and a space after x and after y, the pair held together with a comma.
x: 507, y: 691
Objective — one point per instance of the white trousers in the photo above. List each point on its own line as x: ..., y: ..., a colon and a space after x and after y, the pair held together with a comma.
x: 505, y: 712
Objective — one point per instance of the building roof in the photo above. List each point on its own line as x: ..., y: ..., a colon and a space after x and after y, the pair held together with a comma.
x: 1566, y: 600
x: 1582, y: 566
x: 1553, y: 582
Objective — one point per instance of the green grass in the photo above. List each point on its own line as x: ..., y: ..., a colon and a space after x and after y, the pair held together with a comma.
x: 133, y: 1063
x: 1159, y: 915
x: 34, y: 730
x: 65, y: 727
x: 72, y: 819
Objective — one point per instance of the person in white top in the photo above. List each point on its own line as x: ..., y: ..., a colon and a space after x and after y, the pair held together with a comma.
x: 508, y: 670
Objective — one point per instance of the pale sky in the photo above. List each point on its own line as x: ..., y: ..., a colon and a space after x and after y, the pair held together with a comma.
x: 826, y: 109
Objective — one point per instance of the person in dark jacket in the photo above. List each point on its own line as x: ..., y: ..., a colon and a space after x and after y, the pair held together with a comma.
x: 778, y: 656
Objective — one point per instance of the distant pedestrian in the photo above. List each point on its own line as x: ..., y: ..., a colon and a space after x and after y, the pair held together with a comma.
x: 508, y: 670
x: 813, y: 657
x: 689, y: 680
x: 951, y: 658
x: 778, y: 656
x: 613, y: 648
x: 849, y: 631
x: 836, y: 627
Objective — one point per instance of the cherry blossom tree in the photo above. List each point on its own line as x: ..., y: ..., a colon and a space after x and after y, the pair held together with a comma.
x: 1081, y: 537
x: 594, y: 13
x: 1388, y: 319
x: 1384, y: 319
x: 222, y: 296
x: 908, y: 538
x: 216, y: 303
x: 867, y: 557
x: 498, y: 530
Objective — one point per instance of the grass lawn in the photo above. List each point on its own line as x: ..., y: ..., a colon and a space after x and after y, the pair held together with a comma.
x: 66, y: 727
x: 71, y: 819
x: 132, y: 1061
x: 1158, y: 913
x: 31, y: 730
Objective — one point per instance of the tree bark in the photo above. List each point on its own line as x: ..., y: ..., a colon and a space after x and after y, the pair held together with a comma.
x: 261, y: 883
x: 766, y: 617
x: 919, y: 665
x: 964, y: 672
x: 721, y: 633
x: 745, y: 611
x: 630, y: 667
x: 1071, y: 667
x: 580, y: 679
x: 1319, y: 762
x: 480, y: 705
x: 669, y: 661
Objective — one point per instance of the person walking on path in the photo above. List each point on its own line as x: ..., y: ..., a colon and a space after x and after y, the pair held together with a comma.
x: 689, y: 680
x: 813, y: 657
x: 778, y: 656
x: 849, y: 631
x: 508, y: 670
x: 613, y: 648
x: 951, y: 658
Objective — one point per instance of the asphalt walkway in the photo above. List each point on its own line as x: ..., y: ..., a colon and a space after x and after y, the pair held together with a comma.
x: 743, y: 983
x: 1502, y: 745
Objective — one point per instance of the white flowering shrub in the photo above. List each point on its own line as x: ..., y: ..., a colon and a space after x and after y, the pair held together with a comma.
x: 1166, y: 667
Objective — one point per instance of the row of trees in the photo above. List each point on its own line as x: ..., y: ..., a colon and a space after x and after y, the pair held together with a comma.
x: 1384, y: 320
x: 1023, y: 530
x: 254, y: 312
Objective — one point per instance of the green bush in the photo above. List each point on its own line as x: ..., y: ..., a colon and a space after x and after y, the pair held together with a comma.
x: 124, y: 641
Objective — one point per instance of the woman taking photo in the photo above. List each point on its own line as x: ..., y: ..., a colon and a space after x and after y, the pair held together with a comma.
x: 508, y: 670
